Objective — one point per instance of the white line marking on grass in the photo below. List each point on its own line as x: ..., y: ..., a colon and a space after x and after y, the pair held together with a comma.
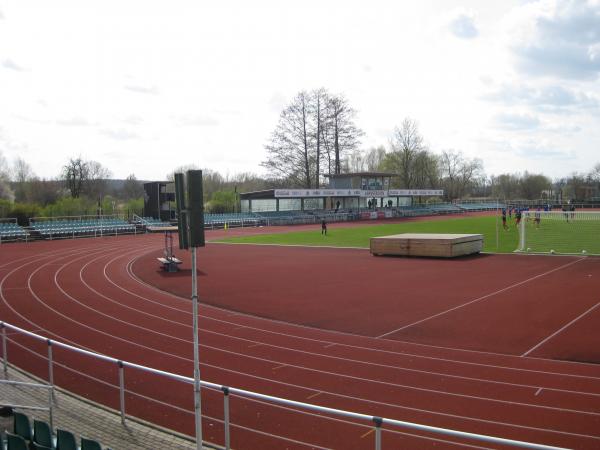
x: 560, y: 330
x: 480, y: 298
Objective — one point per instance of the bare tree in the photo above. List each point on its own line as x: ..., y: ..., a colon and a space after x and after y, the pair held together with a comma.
x: 6, y: 192
x: 373, y: 158
x: 343, y: 132
x: 289, y: 152
x: 75, y: 173
x: 96, y: 182
x: 533, y: 185
x: 406, y: 144
x: 22, y: 176
x: 3, y: 168
x: 132, y: 188
x: 458, y: 173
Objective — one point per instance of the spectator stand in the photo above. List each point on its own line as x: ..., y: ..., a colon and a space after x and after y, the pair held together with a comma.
x: 10, y: 230
x: 79, y: 226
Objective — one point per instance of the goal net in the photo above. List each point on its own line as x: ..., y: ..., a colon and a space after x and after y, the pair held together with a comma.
x: 566, y: 232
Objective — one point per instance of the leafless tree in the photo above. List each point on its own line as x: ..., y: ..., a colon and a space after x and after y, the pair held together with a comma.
x: 96, y: 183
x: 289, y: 152
x: 22, y: 175
x: 373, y: 158
x: 75, y: 173
x: 533, y: 185
x: 458, y: 173
x: 132, y: 188
x: 406, y: 144
x: 343, y: 133
x: 315, y: 132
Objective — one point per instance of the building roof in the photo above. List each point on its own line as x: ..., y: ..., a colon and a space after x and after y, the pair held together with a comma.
x: 362, y: 174
x: 267, y: 193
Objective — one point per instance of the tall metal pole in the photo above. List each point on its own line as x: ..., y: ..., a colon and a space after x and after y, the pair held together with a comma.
x: 197, y: 408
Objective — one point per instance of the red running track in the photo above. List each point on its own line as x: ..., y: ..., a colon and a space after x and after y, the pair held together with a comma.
x: 453, y: 335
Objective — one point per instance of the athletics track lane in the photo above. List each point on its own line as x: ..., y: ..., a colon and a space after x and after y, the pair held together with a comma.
x: 315, y: 381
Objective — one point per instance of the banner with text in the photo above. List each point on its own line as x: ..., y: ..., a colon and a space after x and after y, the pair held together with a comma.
x: 306, y: 193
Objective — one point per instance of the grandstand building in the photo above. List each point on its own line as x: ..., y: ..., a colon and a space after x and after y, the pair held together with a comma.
x: 353, y: 191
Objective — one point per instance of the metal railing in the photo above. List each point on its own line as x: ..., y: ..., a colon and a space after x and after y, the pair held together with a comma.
x: 376, y: 422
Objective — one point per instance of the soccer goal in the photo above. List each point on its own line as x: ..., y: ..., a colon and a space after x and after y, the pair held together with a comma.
x: 560, y: 232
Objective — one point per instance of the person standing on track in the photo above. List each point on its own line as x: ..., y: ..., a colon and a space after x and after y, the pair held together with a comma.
x: 324, y: 227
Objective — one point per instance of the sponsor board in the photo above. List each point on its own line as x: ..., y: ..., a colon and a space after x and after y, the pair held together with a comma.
x: 307, y: 193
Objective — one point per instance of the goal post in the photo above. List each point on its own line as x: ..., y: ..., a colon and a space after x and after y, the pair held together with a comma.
x: 560, y: 232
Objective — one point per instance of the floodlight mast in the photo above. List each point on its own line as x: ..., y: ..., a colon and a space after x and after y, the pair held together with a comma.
x: 190, y: 222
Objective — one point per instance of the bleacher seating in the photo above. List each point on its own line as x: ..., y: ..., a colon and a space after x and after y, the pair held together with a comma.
x: 11, y: 231
x: 445, y: 208
x: 151, y: 222
x: 231, y: 219
x: 480, y: 206
x: 66, y: 228
x: 41, y: 436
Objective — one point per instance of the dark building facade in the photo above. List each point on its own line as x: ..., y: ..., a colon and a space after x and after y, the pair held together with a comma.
x: 159, y: 200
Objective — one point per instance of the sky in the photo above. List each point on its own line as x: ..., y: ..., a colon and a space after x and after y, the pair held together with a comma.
x: 146, y: 86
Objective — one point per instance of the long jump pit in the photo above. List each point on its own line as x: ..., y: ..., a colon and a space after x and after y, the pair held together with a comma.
x: 427, y: 244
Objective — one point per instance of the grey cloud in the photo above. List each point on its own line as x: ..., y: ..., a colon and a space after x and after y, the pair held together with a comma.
x: 564, y: 43
x: 10, y: 64
x: 564, y: 60
x: 463, y: 26
x: 118, y: 134
x: 151, y: 90
x: 517, y: 122
x: 554, y: 98
x: 535, y: 151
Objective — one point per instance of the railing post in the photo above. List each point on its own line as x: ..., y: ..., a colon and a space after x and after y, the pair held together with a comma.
x: 51, y: 382
x: 122, y: 390
x: 50, y: 368
x: 378, y: 421
x: 4, y: 354
x: 225, y: 390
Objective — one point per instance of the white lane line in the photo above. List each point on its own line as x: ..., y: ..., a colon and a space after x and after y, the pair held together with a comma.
x: 538, y: 391
x: 561, y: 329
x: 408, y: 354
x: 512, y: 286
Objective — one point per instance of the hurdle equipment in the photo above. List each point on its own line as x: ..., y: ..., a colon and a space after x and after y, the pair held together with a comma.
x: 427, y: 244
x: 560, y: 232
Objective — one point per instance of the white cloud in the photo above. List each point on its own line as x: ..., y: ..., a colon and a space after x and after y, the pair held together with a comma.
x: 151, y: 90
x: 119, y: 134
x: 10, y: 64
x: 74, y: 122
x: 195, y: 120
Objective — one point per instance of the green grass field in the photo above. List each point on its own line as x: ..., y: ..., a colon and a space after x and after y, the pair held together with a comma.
x: 358, y: 236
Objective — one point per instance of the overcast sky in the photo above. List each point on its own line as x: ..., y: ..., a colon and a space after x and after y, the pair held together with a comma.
x: 146, y: 86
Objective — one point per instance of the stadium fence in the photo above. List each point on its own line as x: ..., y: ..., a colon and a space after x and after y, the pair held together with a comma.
x: 376, y: 422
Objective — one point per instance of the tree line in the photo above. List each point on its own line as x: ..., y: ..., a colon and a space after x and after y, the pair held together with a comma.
x: 314, y: 137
